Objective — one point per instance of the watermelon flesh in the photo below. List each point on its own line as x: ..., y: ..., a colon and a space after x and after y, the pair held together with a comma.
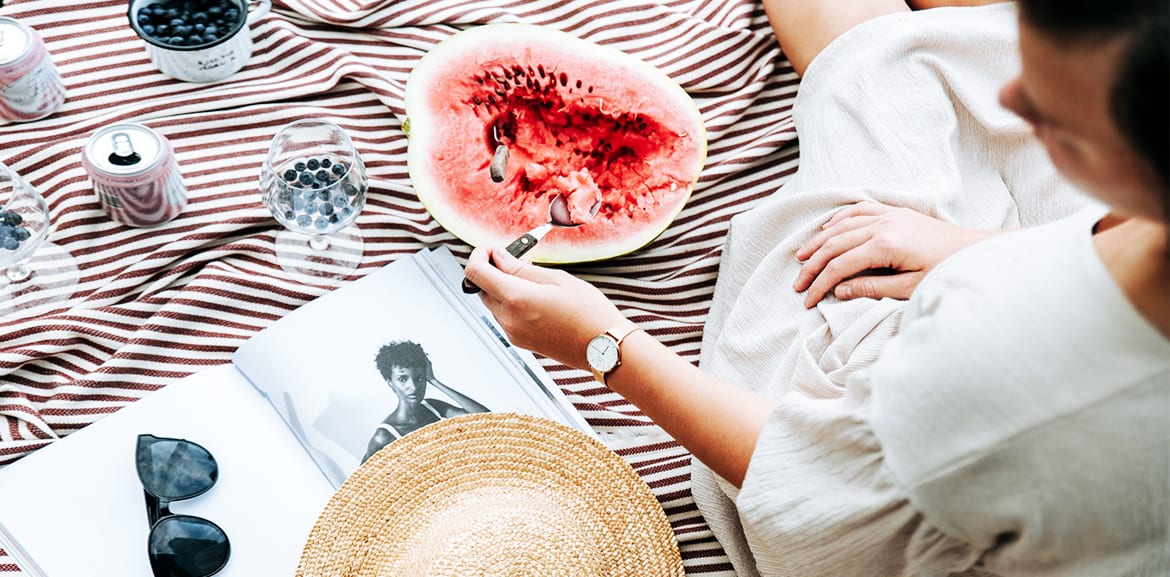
x: 581, y: 121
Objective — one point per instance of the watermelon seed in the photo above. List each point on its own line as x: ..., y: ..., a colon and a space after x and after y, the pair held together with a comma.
x: 578, y: 84
x: 499, y: 163
x: 564, y: 79
x: 540, y: 68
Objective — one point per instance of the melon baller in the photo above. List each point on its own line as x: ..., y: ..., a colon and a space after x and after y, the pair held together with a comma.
x: 558, y: 217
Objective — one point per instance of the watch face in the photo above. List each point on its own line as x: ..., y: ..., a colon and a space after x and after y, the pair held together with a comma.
x: 602, y: 353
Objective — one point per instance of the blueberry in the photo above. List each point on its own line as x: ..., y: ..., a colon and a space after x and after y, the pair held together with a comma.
x: 199, y: 17
x: 211, y: 31
x: 333, y: 218
x: 231, y: 15
x: 6, y: 231
x: 310, y: 195
x: 306, y: 178
x: 326, y: 209
x: 176, y: 22
x: 199, y: 28
x: 321, y: 223
x: 298, y: 204
x: 325, y: 162
x: 338, y: 169
x: 195, y: 40
x: 345, y: 212
x: 322, y: 175
x: 350, y: 189
x: 290, y: 175
x: 310, y: 207
x: 175, y: 40
x: 143, y: 18
x: 180, y: 30
x: 289, y: 215
x: 162, y: 31
x: 22, y: 233
x: 171, y: 13
x: 215, y: 11
x: 340, y: 201
x: 312, y: 164
x: 304, y: 221
x: 148, y: 29
x: 13, y: 218
x: 11, y: 243
x: 299, y: 166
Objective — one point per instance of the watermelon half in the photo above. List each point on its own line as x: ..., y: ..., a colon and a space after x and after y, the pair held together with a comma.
x: 577, y: 119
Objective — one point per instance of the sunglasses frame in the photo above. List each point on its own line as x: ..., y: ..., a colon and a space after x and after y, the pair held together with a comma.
x: 158, y: 510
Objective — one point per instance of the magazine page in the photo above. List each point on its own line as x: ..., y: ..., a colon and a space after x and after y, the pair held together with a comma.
x: 76, y: 507
x: 372, y: 361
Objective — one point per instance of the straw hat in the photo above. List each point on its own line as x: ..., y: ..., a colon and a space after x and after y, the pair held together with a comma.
x: 492, y: 494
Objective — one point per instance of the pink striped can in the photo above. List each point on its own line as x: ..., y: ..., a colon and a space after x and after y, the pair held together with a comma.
x: 30, y: 87
x: 134, y: 174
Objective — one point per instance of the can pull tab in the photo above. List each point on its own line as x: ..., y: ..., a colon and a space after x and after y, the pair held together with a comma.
x: 123, y: 154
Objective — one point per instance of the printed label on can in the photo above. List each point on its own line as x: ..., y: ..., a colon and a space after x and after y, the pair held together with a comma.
x: 30, y: 87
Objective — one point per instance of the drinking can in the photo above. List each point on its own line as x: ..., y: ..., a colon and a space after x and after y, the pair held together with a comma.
x: 134, y: 174
x: 30, y: 87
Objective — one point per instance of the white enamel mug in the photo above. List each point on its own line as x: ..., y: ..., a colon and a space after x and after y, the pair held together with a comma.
x: 207, y: 62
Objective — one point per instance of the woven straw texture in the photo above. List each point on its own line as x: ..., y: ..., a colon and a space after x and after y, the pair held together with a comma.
x: 493, y: 494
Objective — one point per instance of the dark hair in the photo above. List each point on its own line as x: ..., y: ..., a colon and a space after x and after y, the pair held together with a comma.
x: 405, y: 354
x: 1139, y: 99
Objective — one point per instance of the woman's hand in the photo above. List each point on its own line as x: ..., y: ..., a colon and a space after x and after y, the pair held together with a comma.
x: 545, y: 310
x: 870, y: 237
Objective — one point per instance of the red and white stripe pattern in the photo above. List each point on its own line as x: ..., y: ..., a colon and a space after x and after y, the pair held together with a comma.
x: 156, y: 304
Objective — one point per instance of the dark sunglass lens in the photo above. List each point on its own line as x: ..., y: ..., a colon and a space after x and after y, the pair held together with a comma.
x: 173, y: 468
x: 185, y: 546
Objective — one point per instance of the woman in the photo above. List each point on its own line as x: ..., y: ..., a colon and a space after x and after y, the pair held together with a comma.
x: 1018, y: 423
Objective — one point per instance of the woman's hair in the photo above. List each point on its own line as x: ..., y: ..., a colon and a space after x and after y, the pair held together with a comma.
x: 405, y: 354
x: 1140, y: 94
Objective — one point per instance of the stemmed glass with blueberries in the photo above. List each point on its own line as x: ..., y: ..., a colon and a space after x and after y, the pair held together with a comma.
x: 36, y: 272
x: 315, y: 184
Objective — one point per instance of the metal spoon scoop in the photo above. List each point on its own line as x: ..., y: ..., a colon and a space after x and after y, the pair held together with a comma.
x: 558, y: 216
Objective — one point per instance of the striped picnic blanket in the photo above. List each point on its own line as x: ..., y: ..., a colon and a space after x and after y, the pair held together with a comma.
x: 155, y: 304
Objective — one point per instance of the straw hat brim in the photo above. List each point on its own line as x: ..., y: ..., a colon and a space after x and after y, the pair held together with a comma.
x: 492, y: 494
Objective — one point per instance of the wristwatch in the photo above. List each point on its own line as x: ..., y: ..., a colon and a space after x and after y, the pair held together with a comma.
x: 604, y: 353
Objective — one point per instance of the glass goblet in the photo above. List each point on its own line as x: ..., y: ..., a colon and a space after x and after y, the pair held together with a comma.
x: 315, y: 184
x: 36, y: 273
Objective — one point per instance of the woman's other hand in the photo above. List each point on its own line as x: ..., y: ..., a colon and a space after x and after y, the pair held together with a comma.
x: 544, y: 310
x: 868, y: 236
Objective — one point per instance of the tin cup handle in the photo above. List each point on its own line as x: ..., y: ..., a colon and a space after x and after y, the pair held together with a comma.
x: 257, y: 9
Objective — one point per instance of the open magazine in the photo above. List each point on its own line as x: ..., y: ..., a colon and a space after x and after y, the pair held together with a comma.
x: 337, y: 369
x: 299, y: 408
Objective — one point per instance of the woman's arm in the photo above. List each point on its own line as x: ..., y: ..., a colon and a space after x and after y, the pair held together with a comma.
x: 468, y: 404
x: 555, y: 314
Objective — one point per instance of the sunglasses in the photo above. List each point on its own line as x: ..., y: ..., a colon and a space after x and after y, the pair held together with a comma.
x: 179, y: 545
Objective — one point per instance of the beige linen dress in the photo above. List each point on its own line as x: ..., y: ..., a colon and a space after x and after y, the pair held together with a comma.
x: 978, y: 442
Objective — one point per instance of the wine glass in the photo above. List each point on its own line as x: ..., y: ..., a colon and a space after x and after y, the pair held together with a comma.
x: 36, y: 272
x: 314, y: 183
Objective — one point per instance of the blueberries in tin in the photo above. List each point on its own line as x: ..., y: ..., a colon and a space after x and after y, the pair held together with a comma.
x: 188, y: 22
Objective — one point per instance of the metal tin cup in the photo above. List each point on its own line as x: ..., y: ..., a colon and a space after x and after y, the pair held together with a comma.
x: 208, y: 59
x: 30, y: 87
x: 134, y: 174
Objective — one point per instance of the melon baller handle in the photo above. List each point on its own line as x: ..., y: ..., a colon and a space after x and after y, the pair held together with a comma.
x: 517, y: 249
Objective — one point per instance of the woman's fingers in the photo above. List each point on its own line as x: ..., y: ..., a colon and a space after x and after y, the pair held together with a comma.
x: 829, y: 251
x: 897, y: 286
x: 864, y: 208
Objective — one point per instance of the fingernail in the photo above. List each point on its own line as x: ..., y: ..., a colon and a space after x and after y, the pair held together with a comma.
x: 844, y: 292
